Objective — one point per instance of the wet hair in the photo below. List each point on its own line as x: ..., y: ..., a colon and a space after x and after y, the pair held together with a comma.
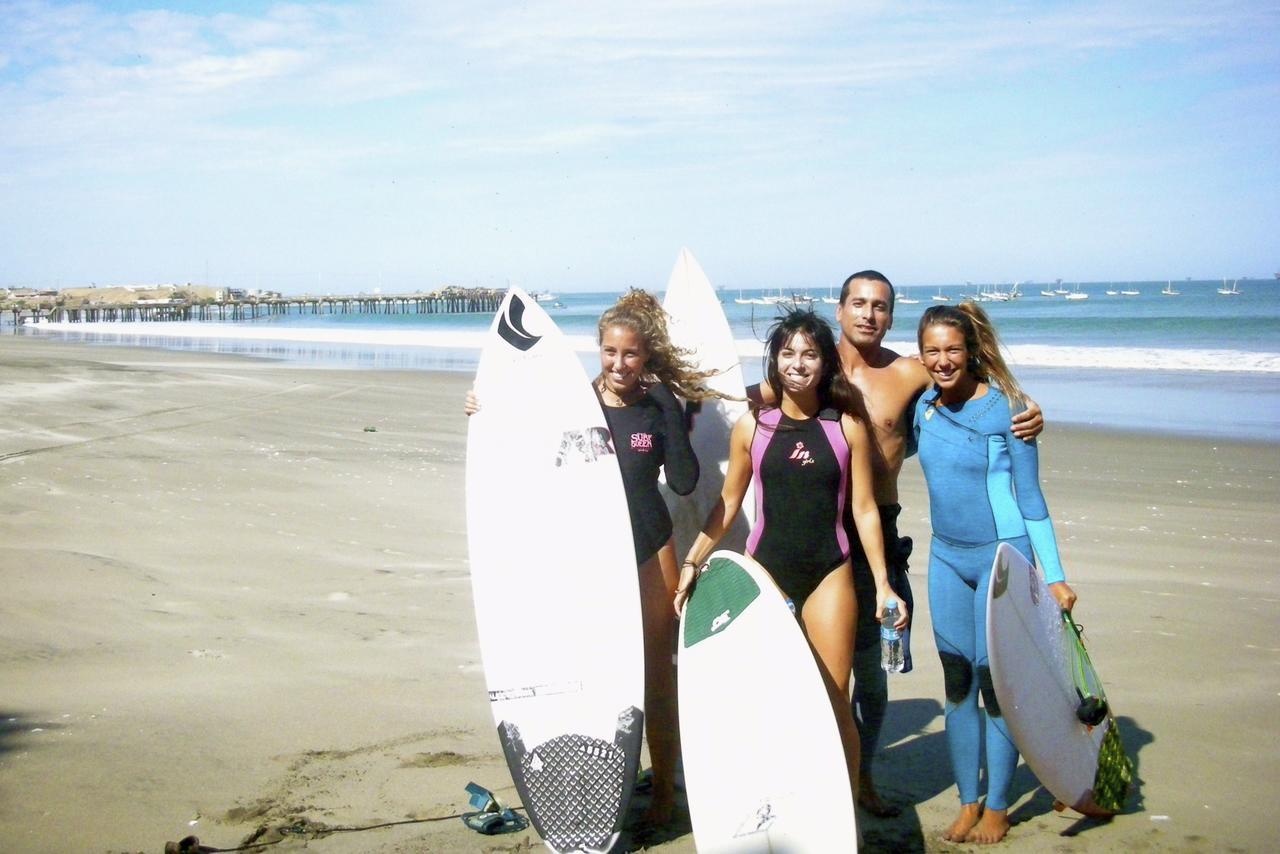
x: 986, y: 363
x: 640, y: 311
x: 834, y: 389
x: 872, y: 276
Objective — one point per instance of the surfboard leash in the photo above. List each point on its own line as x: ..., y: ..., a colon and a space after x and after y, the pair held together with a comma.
x: 1093, y: 708
x: 490, y: 813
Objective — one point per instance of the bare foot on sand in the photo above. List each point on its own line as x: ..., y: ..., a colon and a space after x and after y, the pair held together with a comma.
x: 869, y: 799
x: 959, y: 829
x: 990, y: 829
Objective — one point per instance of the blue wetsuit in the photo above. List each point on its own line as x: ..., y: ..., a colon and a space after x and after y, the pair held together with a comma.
x: 800, y: 469
x: 984, y: 489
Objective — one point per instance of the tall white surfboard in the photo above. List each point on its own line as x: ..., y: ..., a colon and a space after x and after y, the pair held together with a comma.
x: 764, y: 765
x: 696, y: 322
x: 1031, y: 666
x: 554, y: 579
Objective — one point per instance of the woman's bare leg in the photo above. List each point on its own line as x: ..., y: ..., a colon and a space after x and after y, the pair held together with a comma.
x: 830, y: 617
x: 658, y: 579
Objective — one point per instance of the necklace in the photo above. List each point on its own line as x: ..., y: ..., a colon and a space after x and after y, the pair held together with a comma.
x: 613, y: 399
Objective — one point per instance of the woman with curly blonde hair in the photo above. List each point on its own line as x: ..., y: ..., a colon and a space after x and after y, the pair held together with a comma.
x: 641, y: 372
x: 641, y: 312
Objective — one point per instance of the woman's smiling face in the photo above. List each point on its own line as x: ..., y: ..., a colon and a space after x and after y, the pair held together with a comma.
x: 944, y: 354
x: 799, y: 364
x: 623, y: 355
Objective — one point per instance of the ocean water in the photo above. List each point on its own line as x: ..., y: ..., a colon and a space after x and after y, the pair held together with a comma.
x: 1199, y: 363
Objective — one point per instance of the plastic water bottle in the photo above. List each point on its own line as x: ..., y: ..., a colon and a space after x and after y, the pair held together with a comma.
x: 891, y: 657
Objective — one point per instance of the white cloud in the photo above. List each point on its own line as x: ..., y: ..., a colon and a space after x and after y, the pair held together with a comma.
x: 731, y: 99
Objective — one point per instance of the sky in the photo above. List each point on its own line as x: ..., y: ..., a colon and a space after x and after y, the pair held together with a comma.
x: 575, y: 145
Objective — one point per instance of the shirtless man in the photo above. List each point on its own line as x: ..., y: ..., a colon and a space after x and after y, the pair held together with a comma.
x: 890, y: 384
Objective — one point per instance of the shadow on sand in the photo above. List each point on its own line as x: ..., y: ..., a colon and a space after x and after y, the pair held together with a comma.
x: 916, y: 767
x: 15, y: 728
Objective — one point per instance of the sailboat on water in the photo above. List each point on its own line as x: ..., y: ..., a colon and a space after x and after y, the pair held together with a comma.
x: 940, y: 297
x: 1169, y: 291
x: 1233, y: 291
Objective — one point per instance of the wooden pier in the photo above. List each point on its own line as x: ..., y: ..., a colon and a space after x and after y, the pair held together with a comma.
x: 445, y: 301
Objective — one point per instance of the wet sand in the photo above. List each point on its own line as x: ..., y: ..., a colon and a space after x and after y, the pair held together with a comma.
x: 236, y: 597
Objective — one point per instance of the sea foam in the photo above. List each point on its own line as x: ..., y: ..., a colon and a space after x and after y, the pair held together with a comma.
x: 468, y: 342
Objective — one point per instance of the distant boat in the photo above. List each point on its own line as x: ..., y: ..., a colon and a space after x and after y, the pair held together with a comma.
x: 548, y: 297
x: 1131, y: 293
x: 1048, y: 293
x: 906, y: 300
x: 1169, y: 291
x: 1112, y: 292
x: 940, y: 297
x: 1233, y: 291
x: 1076, y: 294
x: 829, y: 299
x: 997, y: 295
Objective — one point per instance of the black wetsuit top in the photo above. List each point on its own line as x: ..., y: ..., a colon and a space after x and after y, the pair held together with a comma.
x: 647, y: 435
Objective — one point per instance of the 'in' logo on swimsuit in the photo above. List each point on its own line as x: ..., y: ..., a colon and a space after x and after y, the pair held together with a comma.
x: 801, y: 454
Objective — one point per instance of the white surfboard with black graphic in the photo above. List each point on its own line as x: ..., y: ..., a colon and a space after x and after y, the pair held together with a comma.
x: 554, y: 579
x: 764, y: 765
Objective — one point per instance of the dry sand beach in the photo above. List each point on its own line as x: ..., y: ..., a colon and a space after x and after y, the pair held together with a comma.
x: 235, y: 596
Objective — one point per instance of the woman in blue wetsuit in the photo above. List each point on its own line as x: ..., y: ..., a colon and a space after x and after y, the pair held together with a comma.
x: 641, y: 371
x: 984, y: 489
x: 803, y: 456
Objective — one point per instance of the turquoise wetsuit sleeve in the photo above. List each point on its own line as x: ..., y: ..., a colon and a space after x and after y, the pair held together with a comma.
x: 1040, y: 532
x: 1025, y: 460
x: 679, y: 463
